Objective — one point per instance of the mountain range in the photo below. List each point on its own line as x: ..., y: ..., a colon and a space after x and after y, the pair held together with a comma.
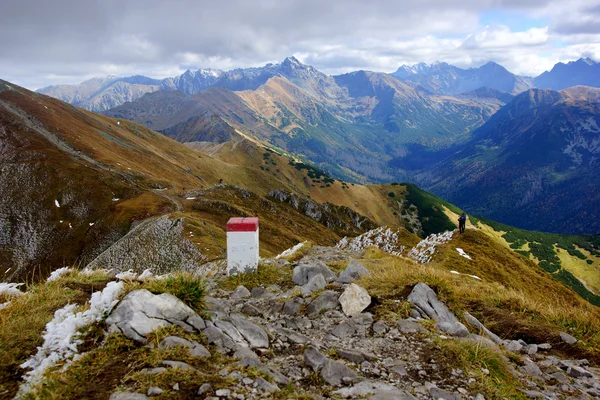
x: 533, y: 164
x: 420, y: 124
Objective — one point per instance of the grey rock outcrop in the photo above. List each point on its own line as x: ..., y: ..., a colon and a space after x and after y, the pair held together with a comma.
x: 354, y: 299
x: 474, y: 322
x: 408, y: 326
x: 427, y: 304
x: 332, y: 372
x: 142, y: 312
x: 127, y: 396
x: 568, y: 339
x: 304, y: 272
x: 353, y: 271
x: 328, y: 300
x: 315, y: 283
x: 196, y: 349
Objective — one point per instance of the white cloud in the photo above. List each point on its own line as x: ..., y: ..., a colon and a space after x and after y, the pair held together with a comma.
x: 66, y: 41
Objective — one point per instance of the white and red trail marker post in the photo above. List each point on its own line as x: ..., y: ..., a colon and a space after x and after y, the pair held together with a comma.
x: 242, y: 245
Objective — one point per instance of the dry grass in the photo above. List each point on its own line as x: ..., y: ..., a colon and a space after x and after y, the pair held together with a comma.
x: 515, y: 298
x: 266, y: 274
x: 23, y: 321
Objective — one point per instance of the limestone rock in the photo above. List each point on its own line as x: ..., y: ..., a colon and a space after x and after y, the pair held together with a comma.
x: 249, y: 309
x: 328, y: 300
x: 353, y: 271
x: 378, y: 390
x: 335, y: 373
x: 292, y: 306
x: 313, y: 358
x: 241, y: 292
x: 154, y: 391
x: 142, y: 312
x: 315, y: 283
x: 304, y: 272
x: 354, y: 299
x: 196, y: 349
x: 178, y: 365
x: 205, y: 388
x: 127, y: 396
x: 407, y: 326
x: 254, y: 334
x: 568, y: 339
x: 427, y: 304
x: 266, y: 385
x: 380, y: 327
x: 474, y: 322
x: 438, y: 393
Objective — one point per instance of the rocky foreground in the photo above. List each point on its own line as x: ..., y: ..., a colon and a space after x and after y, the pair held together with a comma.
x: 320, y: 337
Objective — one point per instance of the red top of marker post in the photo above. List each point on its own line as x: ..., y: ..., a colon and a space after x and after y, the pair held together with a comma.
x: 249, y: 224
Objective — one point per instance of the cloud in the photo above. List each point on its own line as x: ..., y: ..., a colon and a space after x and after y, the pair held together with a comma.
x: 63, y: 41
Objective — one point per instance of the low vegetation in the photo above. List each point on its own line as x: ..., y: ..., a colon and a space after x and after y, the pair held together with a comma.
x: 514, y: 298
x: 265, y: 275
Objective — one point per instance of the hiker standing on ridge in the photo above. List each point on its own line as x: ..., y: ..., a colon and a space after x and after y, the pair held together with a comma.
x: 462, y: 222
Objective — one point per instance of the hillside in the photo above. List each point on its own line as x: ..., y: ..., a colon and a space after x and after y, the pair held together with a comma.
x: 75, y: 182
x: 351, y: 125
x: 532, y: 165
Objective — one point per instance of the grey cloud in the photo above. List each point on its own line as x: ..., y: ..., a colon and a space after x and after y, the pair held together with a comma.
x: 46, y: 40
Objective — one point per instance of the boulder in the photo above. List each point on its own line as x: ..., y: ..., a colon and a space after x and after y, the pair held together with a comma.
x: 568, y: 339
x: 438, y: 393
x: 335, y: 373
x: 241, y: 292
x: 354, y: 299
x: 304, y: 272
x: 353, y: 271
x: 407, y: 326
x: 474, y: 322
x: 196, y: 349
x: 313, y: 358
x: 254, y: 334
x: 427, y: 304
x: 380, y: 327
x: 128, y: 396
x: 328, y: 300
x: 292, y: 306
x: 366, y: 388
x: 315, y: 283
x: 142, y: 312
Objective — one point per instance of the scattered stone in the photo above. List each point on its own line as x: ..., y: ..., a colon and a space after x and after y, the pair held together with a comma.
x: 354, y: 299
x: 304, y: 272
x: 513, y: 345
x: 335, y: 373
x: 178, y: 365
x: 438, y: 393
x: 196, y: 349
x: 205, y: 388
x: 351, y: 355
x: 474, y: 322
x: 544, y: 346
x: 153, y: 371
x: 128, y: 396
x: 353, y: 271
x: 531, y: 349
x: 392, y: 395
x: 427, y: 304
x: 241, y: 292
x: 254, y: 334
x: 250, y: 310
x: 223, y: 392
x: 176, y: 387
x: 292, y: 306
x: 142, y: 312
x: 328, y: 300
x: 578, y: 372
x: 266, y: 385
x: 568, y: 339
x: 530, y: 368
x: 315, y: 283
x: 380, y: 328
x: 258, y: 292
x: 313, y: 358
x: 409, y: 327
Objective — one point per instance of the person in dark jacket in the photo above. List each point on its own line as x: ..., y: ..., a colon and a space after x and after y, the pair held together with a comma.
x: 462, y: 222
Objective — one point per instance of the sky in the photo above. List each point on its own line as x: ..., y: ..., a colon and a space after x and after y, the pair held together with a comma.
x: 68, y: 41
